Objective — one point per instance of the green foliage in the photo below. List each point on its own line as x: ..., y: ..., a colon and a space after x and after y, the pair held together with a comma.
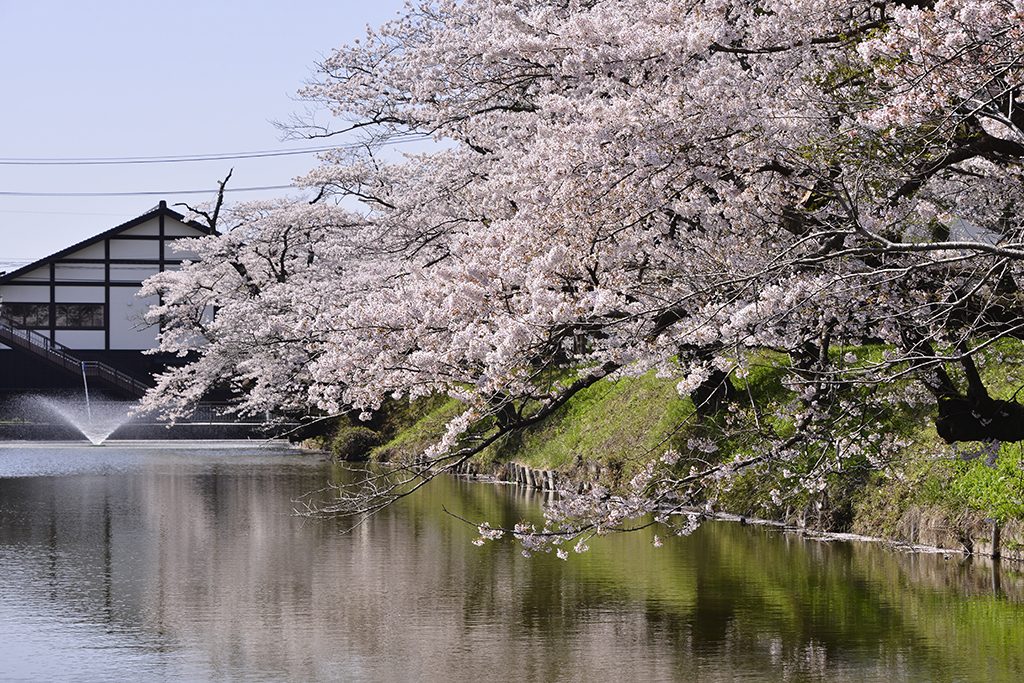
x: 354, y: 443
x: 1002, y: 368
x: 408, y: 427
x: 400, y: 429
x: 763, y: 383
x: 619, y: 425
x: 995, y: 490
x: 853, y: 493
x: 615, y: 423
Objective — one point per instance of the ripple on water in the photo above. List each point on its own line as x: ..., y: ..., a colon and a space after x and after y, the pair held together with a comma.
x: 179, y: 562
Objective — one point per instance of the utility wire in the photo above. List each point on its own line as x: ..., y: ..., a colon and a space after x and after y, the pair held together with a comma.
x: 188, y: 158
x: 98, y: 161
x: 153, y: 193
x: 62, y: 213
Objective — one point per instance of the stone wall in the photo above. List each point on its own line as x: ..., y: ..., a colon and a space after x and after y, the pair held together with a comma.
x: 969, y: 532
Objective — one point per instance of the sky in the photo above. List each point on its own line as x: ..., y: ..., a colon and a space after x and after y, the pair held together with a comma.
x: 145, y: 79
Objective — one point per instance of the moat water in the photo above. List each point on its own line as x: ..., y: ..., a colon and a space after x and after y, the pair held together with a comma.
x: 162, y: 562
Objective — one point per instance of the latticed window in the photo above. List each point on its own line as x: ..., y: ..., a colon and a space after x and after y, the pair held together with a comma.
x: 80, y: 316
x: 27, y: 315
x: 67, y: 316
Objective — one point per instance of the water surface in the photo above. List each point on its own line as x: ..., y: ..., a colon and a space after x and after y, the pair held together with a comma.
x: 164, y: 562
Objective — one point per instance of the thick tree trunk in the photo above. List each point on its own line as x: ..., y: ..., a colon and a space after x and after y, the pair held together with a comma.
x: 965, y: 419
x: 977, y: 416
x: 713, y: 393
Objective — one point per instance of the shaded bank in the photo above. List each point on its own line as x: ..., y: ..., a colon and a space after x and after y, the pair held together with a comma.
x: 931, y: 494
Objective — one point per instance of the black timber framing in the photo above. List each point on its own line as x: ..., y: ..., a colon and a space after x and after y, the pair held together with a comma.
x: 161, y: 211
x: 163, y: 243
x: 47, y: 289
x: 106, y: 293
x: 121, y: 261
x: 53, y: 298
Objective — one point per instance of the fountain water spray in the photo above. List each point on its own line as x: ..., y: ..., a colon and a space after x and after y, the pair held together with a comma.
x: 85, y: 386
x: 96, y: 420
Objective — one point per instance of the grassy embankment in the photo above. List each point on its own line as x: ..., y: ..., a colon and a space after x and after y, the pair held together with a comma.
x: 613, y: 427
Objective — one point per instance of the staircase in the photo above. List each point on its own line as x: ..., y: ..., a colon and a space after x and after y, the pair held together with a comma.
x: 59, y: 355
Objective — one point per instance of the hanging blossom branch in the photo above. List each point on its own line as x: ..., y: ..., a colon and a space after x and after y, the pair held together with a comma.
x: 693, y: 189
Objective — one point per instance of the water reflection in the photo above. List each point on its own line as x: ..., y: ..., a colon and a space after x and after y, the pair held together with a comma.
x: 137, y: 564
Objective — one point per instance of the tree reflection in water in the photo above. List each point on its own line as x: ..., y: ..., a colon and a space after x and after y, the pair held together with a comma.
x: 195, y: 565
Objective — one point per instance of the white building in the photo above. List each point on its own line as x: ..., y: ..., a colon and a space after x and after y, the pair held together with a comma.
x: 82, y: 304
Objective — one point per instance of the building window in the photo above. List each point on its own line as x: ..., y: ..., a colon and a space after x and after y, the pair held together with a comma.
x: 27, y: 315
x: 80, y: 317
x: 67, y: 316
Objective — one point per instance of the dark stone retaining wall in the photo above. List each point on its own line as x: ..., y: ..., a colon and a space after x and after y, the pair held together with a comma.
x: 969, y: 534
x: 514, y: 473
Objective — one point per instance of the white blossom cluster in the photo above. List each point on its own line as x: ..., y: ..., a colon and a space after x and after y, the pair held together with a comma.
x: 620, y: 186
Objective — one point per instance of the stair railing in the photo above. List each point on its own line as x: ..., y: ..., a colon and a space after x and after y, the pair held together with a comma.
x: 58, y: 354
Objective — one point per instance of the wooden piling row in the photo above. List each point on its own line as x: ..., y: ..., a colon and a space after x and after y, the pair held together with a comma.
x: 530, y: 478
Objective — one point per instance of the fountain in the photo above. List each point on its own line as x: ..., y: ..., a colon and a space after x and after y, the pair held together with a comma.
x: 96, y: 420
x: 70, y: 416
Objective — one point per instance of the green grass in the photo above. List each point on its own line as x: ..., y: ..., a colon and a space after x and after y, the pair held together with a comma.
x: 619, y: 425
x: 410, y: 427
x: 995, y: 491
x: 616, y: 424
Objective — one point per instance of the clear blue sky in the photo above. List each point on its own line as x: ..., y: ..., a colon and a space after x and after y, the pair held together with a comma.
x: 141, y: 78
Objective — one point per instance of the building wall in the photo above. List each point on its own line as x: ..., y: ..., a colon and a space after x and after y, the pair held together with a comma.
x: 129, y: 329
x: 21, y: 372
x: 109, y: 274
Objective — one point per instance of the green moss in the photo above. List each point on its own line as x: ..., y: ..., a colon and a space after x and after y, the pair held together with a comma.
x: 410, y: 427
x: 615, y: 423
x: 354, y: 443
x: 619, y: 425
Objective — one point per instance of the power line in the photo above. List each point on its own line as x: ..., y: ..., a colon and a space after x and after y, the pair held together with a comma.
x: 124, y: 161
x: 61, y: 213
x: 189, y: 158
x: 147, y: 193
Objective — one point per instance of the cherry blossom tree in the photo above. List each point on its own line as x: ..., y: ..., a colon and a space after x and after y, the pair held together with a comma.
x: 620, y: 187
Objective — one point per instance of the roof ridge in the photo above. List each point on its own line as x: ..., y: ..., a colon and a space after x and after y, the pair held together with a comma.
x: 131, y: 223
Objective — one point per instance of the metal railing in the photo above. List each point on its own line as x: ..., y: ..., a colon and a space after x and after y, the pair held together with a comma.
x: 114, y: 377
x: 57, y: 354
x: 214, y: 412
